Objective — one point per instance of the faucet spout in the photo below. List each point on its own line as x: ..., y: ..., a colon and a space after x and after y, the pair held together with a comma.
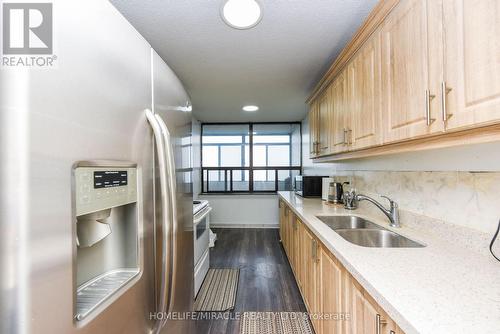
x: 392, y: 213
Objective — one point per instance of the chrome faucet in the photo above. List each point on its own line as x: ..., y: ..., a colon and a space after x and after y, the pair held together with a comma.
x: 392, y: 213
x: 351, y: 200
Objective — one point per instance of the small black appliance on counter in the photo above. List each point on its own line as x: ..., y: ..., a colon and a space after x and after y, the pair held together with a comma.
x: 308, y: 186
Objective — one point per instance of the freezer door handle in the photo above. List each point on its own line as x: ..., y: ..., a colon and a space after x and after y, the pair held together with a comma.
x: 170, y: 164
x: 165, y: 288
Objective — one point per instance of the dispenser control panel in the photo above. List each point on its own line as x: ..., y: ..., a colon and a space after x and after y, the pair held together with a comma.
x: 99, y: 188
x: 110, y: 178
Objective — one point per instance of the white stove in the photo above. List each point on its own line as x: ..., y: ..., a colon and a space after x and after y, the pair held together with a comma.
x: 198, y: 206
x: 201, y: 237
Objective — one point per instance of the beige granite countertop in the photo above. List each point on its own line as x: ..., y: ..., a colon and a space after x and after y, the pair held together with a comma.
x: 444, y: 287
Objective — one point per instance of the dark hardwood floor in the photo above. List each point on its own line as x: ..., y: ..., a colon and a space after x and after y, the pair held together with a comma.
x: 266, y: 280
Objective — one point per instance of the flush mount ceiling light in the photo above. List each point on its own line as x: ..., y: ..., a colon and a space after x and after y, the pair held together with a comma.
x: 241, y: 14
x: 250, y: 108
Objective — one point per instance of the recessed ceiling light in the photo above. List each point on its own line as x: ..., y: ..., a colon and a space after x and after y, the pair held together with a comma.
x: 250, y: 108
x: 241, y: 14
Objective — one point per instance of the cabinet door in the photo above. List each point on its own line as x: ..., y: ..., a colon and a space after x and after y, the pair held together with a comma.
x: 313, y: 130
x: 324, y: 123
x: 364, y: 95
x: 367, y: 316
x: 330, y: 292
x: 411, y: 66
x: 472, y: 63
x: 281, y: 206
x: 355, y: 305
x: 340, y: 126
x: 310, y: 263
x: 370, y: 317
x: 297, y: 259
x: 286, y: 229
x: 290, y: 240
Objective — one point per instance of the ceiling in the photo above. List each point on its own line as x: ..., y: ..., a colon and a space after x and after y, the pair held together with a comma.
x: 275, y: 65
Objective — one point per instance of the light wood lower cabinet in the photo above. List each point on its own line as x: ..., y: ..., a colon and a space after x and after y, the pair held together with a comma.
x: 330, y: 293
x: 310, y: 263
x: 297, y: 249
x: 282, y: 220
x: 336, y: 302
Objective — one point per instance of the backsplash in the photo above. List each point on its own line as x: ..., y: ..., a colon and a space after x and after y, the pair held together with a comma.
x: 458, y: 186
x: 468, y: 199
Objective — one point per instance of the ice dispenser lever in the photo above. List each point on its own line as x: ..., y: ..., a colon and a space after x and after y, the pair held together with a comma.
x: 92, y: 228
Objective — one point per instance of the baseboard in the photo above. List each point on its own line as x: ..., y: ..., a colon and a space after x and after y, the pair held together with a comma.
x: 245, y: 225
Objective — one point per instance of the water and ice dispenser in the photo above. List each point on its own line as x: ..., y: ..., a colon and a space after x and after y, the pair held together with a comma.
x: 106, y: 233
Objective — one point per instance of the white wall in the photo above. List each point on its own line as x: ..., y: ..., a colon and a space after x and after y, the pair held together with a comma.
x: 243, y: 210
x: 459, y: 185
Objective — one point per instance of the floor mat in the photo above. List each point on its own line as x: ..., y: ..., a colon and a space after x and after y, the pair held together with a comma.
x: 275, y: 323
x: 218, y: 291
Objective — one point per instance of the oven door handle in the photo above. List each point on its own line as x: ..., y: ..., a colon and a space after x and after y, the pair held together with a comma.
x: 200, y: 216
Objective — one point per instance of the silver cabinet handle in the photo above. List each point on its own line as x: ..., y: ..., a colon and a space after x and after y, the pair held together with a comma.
x: 165, y: 245
x: 314, y: 245
x: 313, y: 148
x: 379, y: 324
x: 428, y: 98
x: 345, y: 136
x: 444, y: 91
x: 349, y: 138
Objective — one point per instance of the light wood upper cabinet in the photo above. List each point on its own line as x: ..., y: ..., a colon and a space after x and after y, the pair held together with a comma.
x: 325, y: 124
x: 418, y: 69
x: 472, y: 62
x: 340, y: 127
x: 363, y: 95
x: 410, y: 62
x: 313, y: 129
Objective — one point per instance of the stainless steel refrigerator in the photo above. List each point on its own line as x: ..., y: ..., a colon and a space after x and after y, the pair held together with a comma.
x: 95, y: 184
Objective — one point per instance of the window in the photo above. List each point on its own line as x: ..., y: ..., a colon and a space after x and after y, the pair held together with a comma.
x: 250, y: 157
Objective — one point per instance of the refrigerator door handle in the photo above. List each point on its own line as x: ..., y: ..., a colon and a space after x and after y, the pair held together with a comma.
x: 173, y: 203
x: 166, y: 214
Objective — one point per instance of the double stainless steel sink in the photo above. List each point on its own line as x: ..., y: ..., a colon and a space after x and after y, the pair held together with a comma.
x: 365, y: 233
